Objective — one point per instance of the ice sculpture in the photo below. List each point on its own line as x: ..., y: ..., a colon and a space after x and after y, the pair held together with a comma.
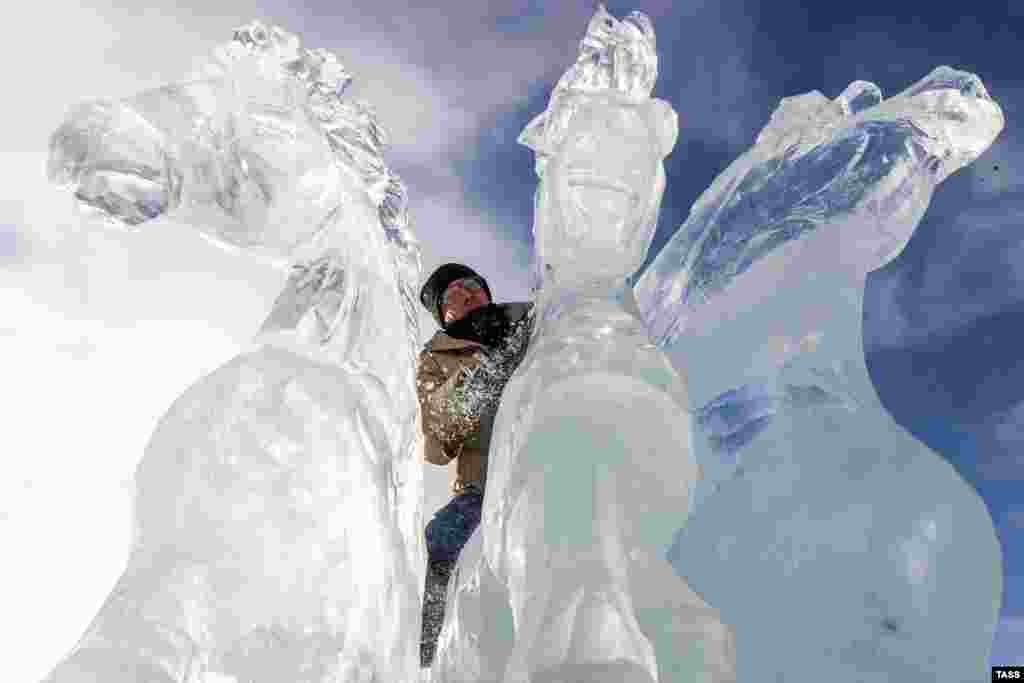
x: 277, y: 506
x: 590, y: 469
x: 278, y: 503
x: 826, y: 535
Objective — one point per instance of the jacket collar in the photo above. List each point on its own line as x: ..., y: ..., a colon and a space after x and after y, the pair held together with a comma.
x: 443, y: 342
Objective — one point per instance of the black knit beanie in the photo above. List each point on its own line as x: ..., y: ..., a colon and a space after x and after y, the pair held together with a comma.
x: 433, y: 288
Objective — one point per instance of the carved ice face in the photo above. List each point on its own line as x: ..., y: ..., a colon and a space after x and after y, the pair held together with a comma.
x: 602, y: 184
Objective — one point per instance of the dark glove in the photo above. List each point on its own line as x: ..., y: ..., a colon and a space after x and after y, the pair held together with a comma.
x: 454, y: 411
x: 477, y: 393
x: 488, y: 325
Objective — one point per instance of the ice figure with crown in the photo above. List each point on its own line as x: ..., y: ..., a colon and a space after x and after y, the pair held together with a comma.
x: 827, y: 536
x: 277, y: 503
x: 591, y: 469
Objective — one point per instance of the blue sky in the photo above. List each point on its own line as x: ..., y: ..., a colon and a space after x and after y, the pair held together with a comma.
x: 455, y: 85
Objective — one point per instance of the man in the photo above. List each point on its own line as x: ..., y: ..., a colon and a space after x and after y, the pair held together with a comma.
x: 461, y: 373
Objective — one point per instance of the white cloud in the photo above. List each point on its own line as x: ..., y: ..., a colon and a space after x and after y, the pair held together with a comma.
x: 717, y: 97
x: 450, y: 231
x: 80, y: 402
x: 973, y: 274
x: 977, y: 271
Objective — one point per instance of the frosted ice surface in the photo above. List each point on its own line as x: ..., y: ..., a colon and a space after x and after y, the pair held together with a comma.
x: 590, y: 468
x: 826, y: 535
x: 873, y: 559
x: 278, y: 503
x: 820, y: 162
x: 246, y: 150
x: 480, y: 625
x: 278, y: 524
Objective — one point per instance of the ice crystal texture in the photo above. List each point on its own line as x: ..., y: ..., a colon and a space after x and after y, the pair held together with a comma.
x: 278, y: 503
x: 692, y: 480
x: 826, y: 535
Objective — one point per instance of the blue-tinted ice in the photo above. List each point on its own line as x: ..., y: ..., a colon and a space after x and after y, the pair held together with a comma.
x: 828, y: 537
x: 278, y: 521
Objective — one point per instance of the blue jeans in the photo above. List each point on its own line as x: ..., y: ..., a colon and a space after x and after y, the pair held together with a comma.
x: 452, y: 526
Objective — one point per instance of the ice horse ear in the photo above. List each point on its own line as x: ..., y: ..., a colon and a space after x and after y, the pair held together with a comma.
x: 532, y: 135
x: 614, y: 57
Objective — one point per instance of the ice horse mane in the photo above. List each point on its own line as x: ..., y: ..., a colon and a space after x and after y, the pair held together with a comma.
x: 350, y: 127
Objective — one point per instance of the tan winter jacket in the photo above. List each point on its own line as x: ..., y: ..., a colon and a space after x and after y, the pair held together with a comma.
x: 446, y: 437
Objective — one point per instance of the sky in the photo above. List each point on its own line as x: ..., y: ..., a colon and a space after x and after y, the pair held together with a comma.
x: 103, y: 330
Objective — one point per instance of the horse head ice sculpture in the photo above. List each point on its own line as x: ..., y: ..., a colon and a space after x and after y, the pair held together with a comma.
x: 590, y: 467
x: 277, y: 511
x: 827, y: 536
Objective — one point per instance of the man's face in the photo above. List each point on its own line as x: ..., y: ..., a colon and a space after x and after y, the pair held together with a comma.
x: 461, y: 297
